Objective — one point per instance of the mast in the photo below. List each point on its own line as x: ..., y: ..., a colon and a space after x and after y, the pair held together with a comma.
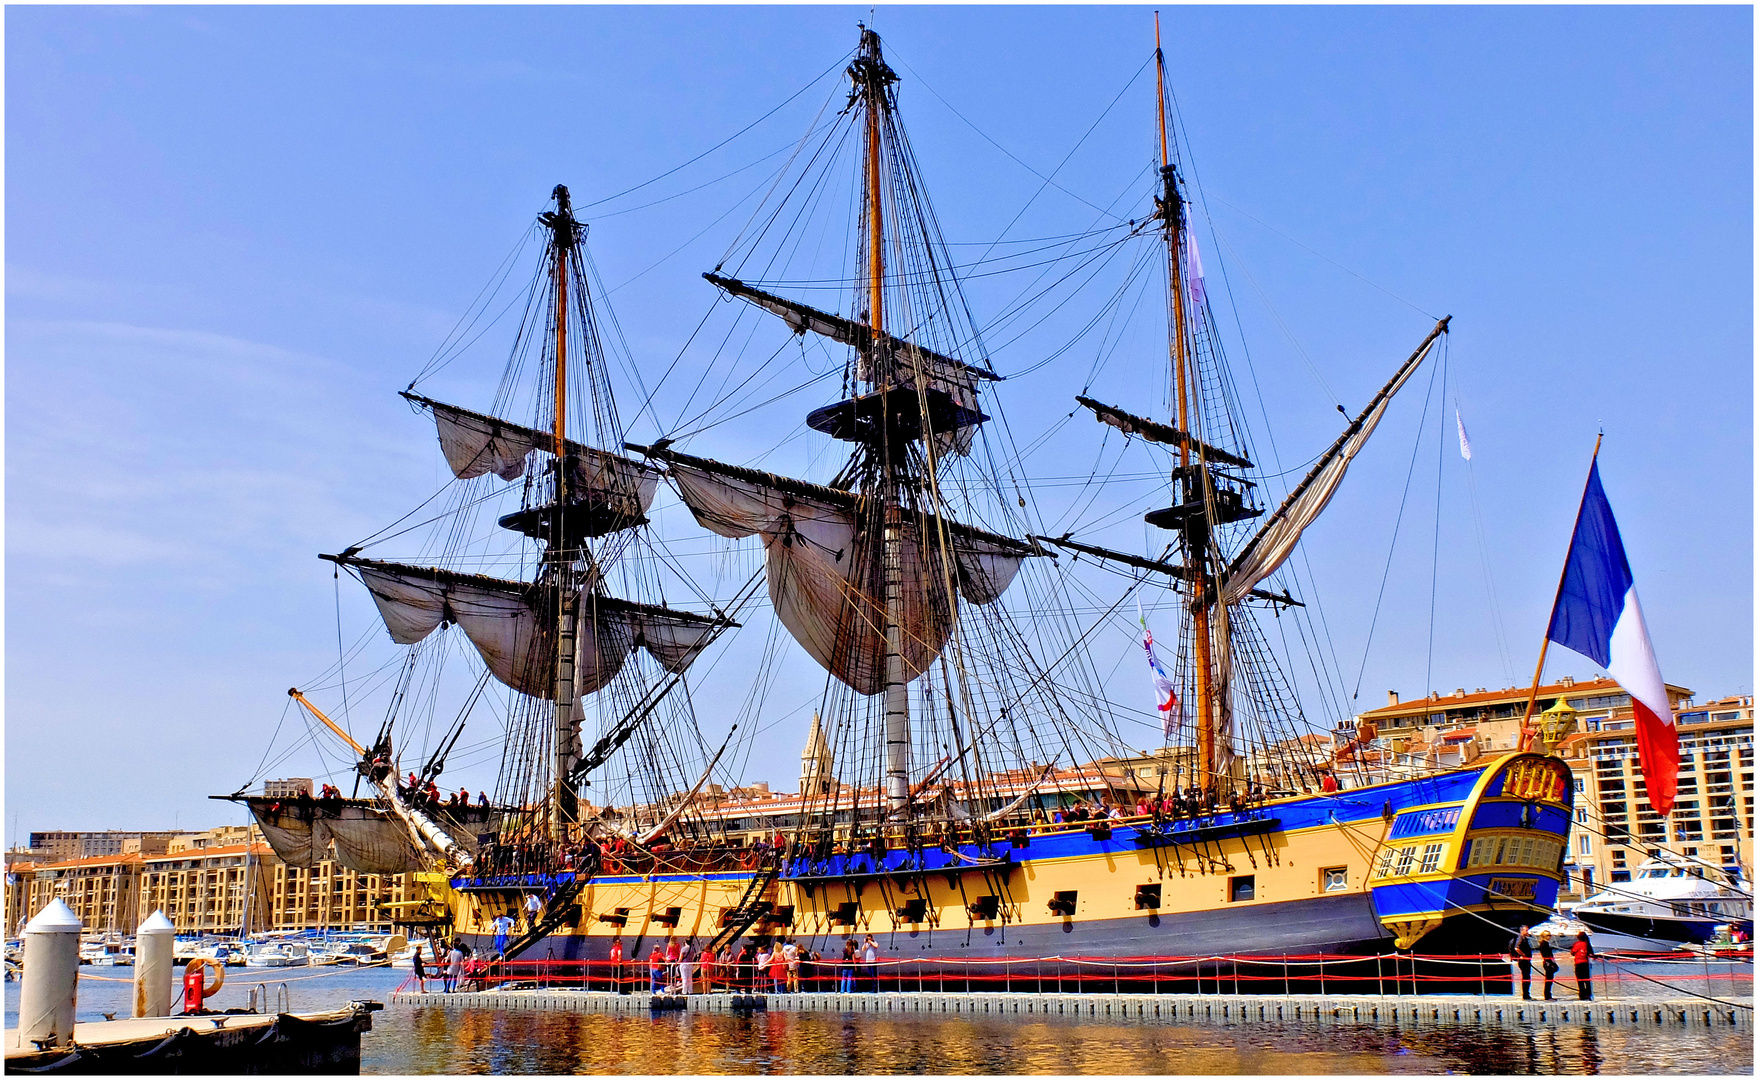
x: 1195, y: 526
x: 871, y: 77
x: 563, y: 232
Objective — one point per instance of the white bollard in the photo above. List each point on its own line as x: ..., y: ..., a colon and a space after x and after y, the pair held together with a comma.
x: 153, y: 974
x: 46, y: 1000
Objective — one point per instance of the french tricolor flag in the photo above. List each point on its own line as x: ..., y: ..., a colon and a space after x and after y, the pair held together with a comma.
x: 1597, y: 615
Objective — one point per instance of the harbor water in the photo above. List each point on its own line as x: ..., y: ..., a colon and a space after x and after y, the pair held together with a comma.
x: 424, y: 1040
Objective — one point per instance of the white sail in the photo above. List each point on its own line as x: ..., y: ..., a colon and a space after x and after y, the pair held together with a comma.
x: 1275, y: 541
x: 824, y: 577
x: 504, y: 621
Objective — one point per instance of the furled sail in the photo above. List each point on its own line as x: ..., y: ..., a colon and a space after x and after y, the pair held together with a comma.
x: 510, y: 624
x: 824, y: 571
x: 1154, y: 431
x: 910, y: 363
x: 366, y: 840
x: 476, y: 444
x: 1275, y: 541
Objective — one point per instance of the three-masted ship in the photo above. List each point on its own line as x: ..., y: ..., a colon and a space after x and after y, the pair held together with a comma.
x: 960, y: 712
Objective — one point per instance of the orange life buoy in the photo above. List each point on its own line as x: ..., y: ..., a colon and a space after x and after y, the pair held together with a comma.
x: 219, y: 970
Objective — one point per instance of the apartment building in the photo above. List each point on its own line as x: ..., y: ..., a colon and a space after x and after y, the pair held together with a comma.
x: 62, y: 846
x: 223, y: 881
x: 1711, y: 817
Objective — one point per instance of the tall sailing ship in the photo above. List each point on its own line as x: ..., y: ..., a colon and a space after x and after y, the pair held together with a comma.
x: 960, y: 712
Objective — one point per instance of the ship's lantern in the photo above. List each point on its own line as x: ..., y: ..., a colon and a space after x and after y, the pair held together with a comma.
x: 1557, y: 724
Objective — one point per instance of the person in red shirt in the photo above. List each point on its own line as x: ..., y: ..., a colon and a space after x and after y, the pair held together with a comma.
x: 705, y: 971
x: 1582, y: 951
x: 616, y: 963
x: 1328, y: 782
x: 671, y: 963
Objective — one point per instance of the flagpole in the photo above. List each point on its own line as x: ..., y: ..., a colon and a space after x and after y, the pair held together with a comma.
x: 1526, y: 730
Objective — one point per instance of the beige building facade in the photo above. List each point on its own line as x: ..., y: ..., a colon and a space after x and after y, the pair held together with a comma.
x: 224, y: 881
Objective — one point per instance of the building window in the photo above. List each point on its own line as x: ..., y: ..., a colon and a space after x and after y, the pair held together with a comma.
x: 1583, y: 844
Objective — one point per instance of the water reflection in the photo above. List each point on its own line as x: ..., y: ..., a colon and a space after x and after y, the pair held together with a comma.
x: 426, y: 1040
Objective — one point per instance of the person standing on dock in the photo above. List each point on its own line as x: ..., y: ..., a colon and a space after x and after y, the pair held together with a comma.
x: 656, y: 967
x: 1548, y: 958
x: 1582, y: 951
x: 616, y: 964
x: 686, y: 968
x: 1520, y: 951
x: 760, y: 968
x: 420, y: 968
x: 846, y: 981
x: 790, y: 952
x: 454, y: 967
x: 705, y: 968
x: 870, y: 955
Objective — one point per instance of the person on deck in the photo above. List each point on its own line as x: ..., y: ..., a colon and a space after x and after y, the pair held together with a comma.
x: 1520, y: 949
x: 1582, y: 951
x: 503, y: 924
x: 482, y: 798
x: 1328, y: 782
x: 532, y: 906
x: 1548, y: 963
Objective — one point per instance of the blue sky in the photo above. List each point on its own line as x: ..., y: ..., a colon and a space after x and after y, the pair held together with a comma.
x: 234, y: 233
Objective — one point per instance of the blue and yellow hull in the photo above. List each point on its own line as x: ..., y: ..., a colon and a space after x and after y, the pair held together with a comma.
x: 1443, y: 865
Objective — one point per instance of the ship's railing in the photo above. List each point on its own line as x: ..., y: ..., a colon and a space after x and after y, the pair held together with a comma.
x: 1314, y: 973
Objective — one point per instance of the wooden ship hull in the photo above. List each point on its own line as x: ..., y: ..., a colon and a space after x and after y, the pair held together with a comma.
x: 1263, y: 882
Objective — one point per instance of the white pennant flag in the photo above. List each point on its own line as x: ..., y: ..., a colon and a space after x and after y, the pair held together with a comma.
x: 1464, y: 439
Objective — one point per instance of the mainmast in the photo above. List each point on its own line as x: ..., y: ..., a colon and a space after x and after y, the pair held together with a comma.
x: 564, y: 233
x: 871, y: 77
x: 1193, y: 526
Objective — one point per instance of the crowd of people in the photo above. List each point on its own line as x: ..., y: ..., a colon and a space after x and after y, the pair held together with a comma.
x: 1179, y: 803
x: 429, y: 799
x: 778, y: 965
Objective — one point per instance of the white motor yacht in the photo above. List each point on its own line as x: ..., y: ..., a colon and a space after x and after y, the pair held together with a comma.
x: 279, y: 954
x: 1672, y: 902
